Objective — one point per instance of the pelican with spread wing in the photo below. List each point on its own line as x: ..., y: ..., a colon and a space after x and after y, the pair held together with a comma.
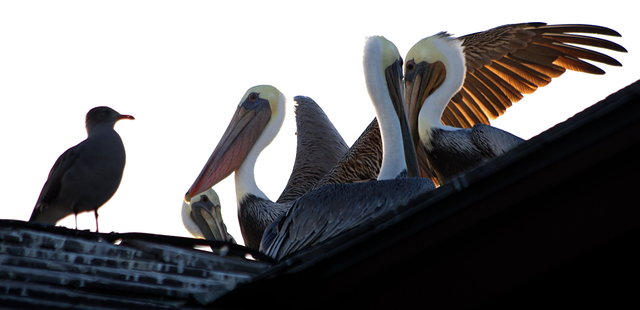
x: 454, y: 86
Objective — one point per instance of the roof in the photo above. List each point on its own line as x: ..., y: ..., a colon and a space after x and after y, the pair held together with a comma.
x: 555, y: 220
x: 56, y: 267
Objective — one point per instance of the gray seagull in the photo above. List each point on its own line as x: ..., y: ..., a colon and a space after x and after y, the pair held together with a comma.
x: 85, y: 176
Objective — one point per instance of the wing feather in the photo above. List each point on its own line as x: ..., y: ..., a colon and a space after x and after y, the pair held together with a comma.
x: 319, y: 148
x: 334, y: 209
x: 505, y: 62
x: 361, y: 162
x: 507, y: 90
x: 52, y: 186
x: 516, y: 74
x: 584, y: 40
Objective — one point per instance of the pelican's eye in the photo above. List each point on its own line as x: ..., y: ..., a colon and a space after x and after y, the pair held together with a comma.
x: 409, y: 66
x: 253, y: 96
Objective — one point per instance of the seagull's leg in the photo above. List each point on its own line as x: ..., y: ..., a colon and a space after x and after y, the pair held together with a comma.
x: 75, y: 214
x: 95, y: 211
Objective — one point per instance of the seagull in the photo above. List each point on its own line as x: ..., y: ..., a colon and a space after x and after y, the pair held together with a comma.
x: 453, y: 86
x: 87, y: 175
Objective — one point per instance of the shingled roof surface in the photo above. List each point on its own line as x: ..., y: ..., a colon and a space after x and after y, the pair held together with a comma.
x: 553, y: 222
x: 59, y: 268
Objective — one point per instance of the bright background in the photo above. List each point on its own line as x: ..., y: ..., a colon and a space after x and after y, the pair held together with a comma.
x: 181, y: 67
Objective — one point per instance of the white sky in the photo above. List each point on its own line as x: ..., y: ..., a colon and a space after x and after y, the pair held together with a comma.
x: 181, y: 67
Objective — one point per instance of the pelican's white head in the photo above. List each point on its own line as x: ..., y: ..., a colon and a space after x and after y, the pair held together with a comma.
x: 434, y: 73
x: 256, y: 122
x: 383, y: 74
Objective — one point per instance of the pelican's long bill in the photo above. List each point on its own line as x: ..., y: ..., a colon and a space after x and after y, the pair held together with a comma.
x: 421, y: 80
x: 393, y: 76
x: 246, y: 126
x: 424, y: 74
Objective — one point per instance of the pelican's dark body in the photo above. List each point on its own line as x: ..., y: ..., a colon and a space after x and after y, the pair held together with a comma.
x: 335, y: 208
x: 460, y: 150
x: 255, y: 214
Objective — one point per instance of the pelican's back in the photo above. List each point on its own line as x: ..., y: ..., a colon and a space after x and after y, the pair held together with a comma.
x: 362, y: 161
x: 336, y: 208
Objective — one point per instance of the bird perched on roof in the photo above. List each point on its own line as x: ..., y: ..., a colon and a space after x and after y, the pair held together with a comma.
x: 87, y: 175
x: 453, y: 86
x: 336, y: 208
x: 254, y: 125
x: 202, y: 217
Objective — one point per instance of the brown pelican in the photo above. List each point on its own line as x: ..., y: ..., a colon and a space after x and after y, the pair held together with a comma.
x: 332, y: 209
x: 202, y: 218
x: 85, y: 176
x: 454, y: 83
x: 255, y: 123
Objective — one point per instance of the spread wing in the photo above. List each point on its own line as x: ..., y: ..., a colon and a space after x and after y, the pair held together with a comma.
x: 506, y: 62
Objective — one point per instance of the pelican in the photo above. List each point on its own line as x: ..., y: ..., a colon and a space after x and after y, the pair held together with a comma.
x: 255, y: 123
x: 202, y: 218
x: 85, y: 176
x: 453, y: 86
x: 332, y: 209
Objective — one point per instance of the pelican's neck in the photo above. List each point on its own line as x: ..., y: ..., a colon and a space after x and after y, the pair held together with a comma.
x: 244, y: 176
x: 452, y: 56
x: 393, y: 161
